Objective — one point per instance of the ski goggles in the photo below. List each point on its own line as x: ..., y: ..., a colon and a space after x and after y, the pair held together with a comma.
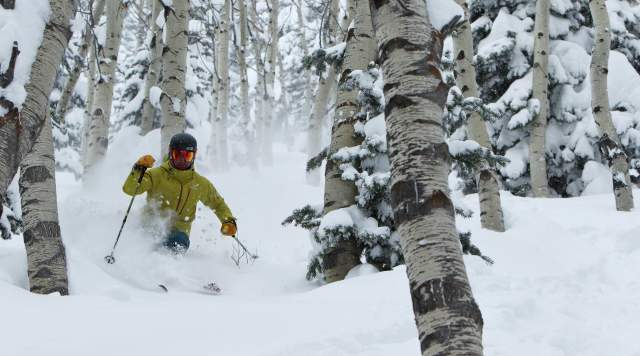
x: 184, y: 155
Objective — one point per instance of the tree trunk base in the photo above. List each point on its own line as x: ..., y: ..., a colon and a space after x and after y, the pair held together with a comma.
x: 340, y: 260
x: 491, y: 217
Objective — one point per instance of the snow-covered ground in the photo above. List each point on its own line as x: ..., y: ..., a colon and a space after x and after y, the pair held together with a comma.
x: 564, y: 281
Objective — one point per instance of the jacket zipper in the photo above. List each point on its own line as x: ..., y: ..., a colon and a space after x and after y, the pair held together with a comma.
x: 179, y: 197
x: 185, y: 202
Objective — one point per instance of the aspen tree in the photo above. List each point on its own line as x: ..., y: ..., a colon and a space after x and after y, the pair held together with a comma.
x: 98, y: 130
x: 488, y: 188
x: 46, y: 258
x: 155, y: 66
x: 174, y: 65
x: 322, y: 98
x: 245, y: 108
x: 18, y: 137
x: 257, y: 47
x: 338, y: 193
x: 270, y: 76
x: 537, y: 159
x: 610, y: 142
x: 448, y: 319
x: 302, y: 38
x: 74, y: 75
x: 218, y: 145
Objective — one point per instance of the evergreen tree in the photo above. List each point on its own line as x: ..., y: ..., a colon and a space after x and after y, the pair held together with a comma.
x: 503, y: 35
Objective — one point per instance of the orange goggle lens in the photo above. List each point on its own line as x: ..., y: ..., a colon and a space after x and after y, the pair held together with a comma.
x: 182, y: 154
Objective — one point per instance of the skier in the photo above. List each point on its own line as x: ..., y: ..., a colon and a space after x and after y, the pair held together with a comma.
x: 175, y: 188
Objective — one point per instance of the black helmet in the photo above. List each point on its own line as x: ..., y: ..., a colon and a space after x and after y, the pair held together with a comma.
x: 183, y: 141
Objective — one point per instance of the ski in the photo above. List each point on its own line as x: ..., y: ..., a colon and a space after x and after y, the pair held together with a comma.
x: 209, y: 288
x: 212, y: 288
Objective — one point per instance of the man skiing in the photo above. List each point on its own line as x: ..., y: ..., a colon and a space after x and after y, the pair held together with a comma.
x: 175, y: 188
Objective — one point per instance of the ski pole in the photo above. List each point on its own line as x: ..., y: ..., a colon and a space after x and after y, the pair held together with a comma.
x: 109, y: 258
x: 244, y: 248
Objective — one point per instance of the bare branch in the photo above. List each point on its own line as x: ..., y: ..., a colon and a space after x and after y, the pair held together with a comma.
x: 7, y: 77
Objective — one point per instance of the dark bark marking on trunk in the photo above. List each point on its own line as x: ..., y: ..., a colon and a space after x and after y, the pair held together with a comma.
x: 439, y: 95
x: 436, y: 152
x: 43, y: 272
x: 43, y: 229
x: 408, y: 198
x: 35, y: 174
x: 103, y: 142
x: 390, y: 86
x: 440, y: 336
x: 395, y: 44
x: 377, y: 4
x: 398, y: 101
x: 446, y: 292
x: 485, y: 175
x: 428, y: 122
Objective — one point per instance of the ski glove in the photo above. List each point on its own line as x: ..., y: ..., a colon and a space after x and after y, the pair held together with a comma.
x: 229, y: 227
x: 145, y: 162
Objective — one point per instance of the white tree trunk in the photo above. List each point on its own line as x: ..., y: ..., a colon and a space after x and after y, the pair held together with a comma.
x: 98, y: 140
x: 338, y: 193
x: 141, y: 24
x: 600, y: 106
x: 174, y: 66
x: 314, y: 131
x: 46, y: 259
x: 18, y: 137
x: 348, y: 16
x: 488, y: 188
x: 322, y: 98
x: 269, y: 95
x: 537, y: 159
x: 260, y: 83
x: 302, y: 38
x: 92, y: 60
x: 284, y: 108
x: 245, y: 120
x: 448, y: 319
x: 219, y: 155
x: 155, y: 66
x: 74, y: 75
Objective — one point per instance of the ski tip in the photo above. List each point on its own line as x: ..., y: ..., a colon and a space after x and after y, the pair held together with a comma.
x: 163, y: 287
x: 212, y: 288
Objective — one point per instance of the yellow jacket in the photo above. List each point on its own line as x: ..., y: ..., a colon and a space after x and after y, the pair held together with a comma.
x: 177, y: 192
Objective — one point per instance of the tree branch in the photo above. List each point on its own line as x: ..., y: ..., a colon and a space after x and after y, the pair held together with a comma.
x: 7, y: 77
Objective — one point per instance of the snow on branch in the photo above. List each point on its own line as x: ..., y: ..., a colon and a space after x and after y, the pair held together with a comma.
x: 470, y: 154
x: 322, y: 57
x: 307, y: 217
x: 444, y: 14
x: 458, y: 107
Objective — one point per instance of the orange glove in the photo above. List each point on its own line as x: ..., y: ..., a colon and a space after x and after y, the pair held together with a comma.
x: 229, y: 227
x: 145, y: 161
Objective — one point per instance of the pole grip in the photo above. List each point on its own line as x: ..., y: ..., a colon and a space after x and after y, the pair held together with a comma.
x: 142, y: 172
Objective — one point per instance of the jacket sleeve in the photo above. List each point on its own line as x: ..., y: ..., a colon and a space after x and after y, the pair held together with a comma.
x: 214, y: 201
x: 131, y: 183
